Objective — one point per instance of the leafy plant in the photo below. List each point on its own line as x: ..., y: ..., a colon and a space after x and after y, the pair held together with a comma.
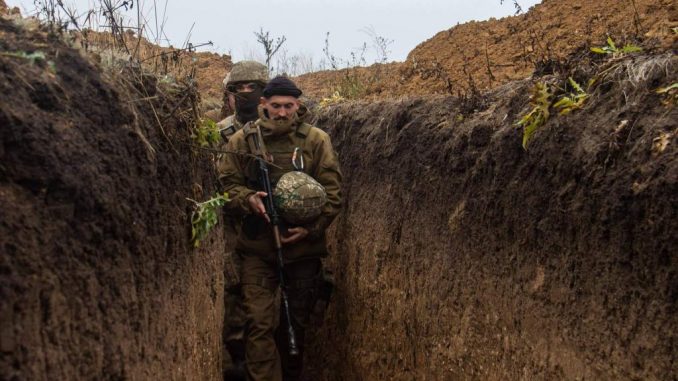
x: 34, y: 57
x: 670, y: 94
x: 334, y: 99
x: 540, y: 100
x: 205, y: 217
x: 574, y: 100
x: 611, y: 48
x: 350, y: 86
x: 207, y: 133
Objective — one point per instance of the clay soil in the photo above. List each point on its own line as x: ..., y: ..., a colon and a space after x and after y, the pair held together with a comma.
x: 462, y: 256
x: 98, y: 279
x: 488, y: 54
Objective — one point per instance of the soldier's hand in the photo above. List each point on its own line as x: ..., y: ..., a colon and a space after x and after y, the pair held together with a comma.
x: 297, y: 234
x: 257, y: 206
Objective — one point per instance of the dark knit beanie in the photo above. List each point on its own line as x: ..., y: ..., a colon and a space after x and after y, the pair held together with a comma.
x: 281, y: 86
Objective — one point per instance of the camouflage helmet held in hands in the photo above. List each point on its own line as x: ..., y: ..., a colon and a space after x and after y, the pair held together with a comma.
x: 246, y: 71
x: 299, y: 198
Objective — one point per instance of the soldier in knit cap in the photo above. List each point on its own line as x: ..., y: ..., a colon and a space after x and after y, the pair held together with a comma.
x: 289, y: 142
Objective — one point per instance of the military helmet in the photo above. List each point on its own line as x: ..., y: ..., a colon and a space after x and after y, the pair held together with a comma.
x: 299, y: 198
x: 246, y: 71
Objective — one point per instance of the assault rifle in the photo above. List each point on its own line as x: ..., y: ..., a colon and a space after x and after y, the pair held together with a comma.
x: 265, y: 181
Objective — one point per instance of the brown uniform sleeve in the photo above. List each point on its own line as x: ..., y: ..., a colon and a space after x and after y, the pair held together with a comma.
x: 328, y: 174
x: 230, y: 168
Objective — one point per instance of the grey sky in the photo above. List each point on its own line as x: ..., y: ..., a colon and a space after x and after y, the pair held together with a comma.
x: 231, y: 24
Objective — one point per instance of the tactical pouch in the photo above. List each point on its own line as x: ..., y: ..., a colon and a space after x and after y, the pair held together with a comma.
x: 231, y: 270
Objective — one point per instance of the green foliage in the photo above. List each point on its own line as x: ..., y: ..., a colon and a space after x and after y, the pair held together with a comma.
x: 207, y: 133
x: 350, y: 86
x: 336, y: 98
x: 670, y: 94
x: 205, y: 217
x: 34, y: 57
x: 611, y: 48
x: 574, y: 100
x: 540, y: 100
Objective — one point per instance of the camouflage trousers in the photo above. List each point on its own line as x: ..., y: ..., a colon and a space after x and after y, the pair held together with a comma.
x: 266, y: 349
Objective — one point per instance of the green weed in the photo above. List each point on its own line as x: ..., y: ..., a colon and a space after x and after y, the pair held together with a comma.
x: 336, y: 98
x: 611, y: 48
x: 350, y: 86
x: 205, y: 217
x: 574, y: 100
x: 540, y: 100
x: 670, y: 94
x: 206, y: 134
x: 34, y: 57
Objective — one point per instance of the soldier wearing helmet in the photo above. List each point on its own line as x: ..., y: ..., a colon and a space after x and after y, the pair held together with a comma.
x: 306, y: 177
x: 243, y: 88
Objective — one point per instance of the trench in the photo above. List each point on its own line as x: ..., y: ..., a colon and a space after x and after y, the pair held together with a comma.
x: 458, y: 255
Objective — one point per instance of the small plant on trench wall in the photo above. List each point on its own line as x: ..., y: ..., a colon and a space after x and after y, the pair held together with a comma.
x: 540, y: 100
x: 34, y: 57
x: 575, y: 99
x: 670, y: 94
x: 611, y: 48
x: 206, y: 133
x: 205, y: 217
x: 336, y: 98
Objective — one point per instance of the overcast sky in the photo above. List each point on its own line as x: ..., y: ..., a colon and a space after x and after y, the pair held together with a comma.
x: 231, y: 24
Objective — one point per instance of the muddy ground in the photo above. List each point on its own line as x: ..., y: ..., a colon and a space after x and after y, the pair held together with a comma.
x: 98, y: 279
x: 459, y: 255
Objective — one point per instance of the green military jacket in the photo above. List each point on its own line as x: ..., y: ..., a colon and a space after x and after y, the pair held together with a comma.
x: 228, y: 126
x: 238, y: 175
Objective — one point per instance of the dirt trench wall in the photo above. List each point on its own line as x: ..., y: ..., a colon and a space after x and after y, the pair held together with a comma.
x: 461, y: 256
x: 98, y: 280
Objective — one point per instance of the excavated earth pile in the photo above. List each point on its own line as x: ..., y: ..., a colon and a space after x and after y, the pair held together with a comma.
x: 488, y: 54
x: 98, y: 279
x: 460, y: 255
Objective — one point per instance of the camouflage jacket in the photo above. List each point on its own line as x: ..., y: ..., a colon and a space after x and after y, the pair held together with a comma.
x: 238, y: 175
x: 228, y: 126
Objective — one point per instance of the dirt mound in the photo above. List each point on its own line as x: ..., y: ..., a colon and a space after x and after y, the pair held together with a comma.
x: 97, y: 276
x: 490, y: 53
x: 210, y: 68
x: 459, y: 255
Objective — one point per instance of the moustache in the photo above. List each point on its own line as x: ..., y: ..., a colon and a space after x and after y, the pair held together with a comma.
x: 281, y: 118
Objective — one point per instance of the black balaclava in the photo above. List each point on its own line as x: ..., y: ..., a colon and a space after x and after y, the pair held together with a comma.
x: 246, y: 105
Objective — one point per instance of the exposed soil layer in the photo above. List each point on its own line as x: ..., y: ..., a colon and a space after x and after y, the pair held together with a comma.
x: 210, y: 68
x: 98, y: 279
x: 491, y: 53
x: 459, y: 255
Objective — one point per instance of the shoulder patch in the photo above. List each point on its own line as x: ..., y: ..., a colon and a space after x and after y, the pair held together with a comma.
x: 227, y: 127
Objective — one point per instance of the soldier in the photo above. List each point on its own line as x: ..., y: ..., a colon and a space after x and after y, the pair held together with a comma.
x: 289, y: 142
x: 243, y: 90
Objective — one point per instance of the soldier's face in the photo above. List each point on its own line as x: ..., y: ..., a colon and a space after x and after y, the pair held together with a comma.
x: 280, y: 107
